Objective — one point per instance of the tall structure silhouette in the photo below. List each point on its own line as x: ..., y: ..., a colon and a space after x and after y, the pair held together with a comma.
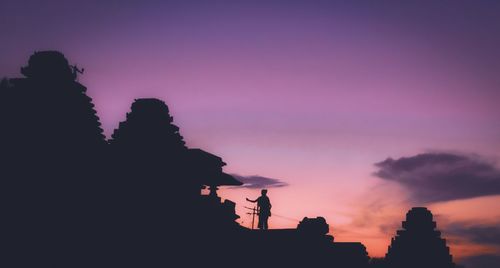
x: 419, y: 244
x: 149, y: 126
x: 150, y: 154
x: 52, y: 145
x: 158, y: 183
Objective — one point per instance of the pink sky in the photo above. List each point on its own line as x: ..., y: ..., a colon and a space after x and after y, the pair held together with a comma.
x: 310, y: 93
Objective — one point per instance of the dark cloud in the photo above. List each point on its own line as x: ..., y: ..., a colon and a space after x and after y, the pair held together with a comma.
x: 485, y: 235
x: 482, y: 261
x: 259, y: 182
x: 433, y: 177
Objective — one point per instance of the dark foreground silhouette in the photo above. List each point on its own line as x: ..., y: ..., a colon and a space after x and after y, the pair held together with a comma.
x: 72, y: 199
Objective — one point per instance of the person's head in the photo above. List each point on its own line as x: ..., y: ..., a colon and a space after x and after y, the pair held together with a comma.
x: 264, y: 192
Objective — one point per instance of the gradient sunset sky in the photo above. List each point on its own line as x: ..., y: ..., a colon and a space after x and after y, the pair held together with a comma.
x: 307, y: 98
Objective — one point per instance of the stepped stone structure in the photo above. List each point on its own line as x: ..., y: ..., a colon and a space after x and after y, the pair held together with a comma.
x: 52, y: 146
x: 158, y: 183
x: 49, y: 108
x: 419, y: 244
x: 149, y: 126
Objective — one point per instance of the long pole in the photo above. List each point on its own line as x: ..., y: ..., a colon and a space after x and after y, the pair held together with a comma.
x: 254, y: 212
x: 253, y: 216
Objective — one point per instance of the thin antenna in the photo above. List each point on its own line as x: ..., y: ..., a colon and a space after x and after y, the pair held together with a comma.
x: 254, y: 211
x: 77, y: 71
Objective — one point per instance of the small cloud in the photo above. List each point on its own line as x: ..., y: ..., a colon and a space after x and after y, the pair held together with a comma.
x: 433, y: 177
x: 254, y: 182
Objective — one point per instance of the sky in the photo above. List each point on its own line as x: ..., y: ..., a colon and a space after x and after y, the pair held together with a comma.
x: 351, y: 110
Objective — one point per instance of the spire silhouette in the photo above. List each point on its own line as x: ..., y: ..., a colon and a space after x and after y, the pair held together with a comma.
x: 158, y: 184
x: 149, y: 126
x: 50, y: 104
x: 51, y: 152
x: 419, y: 244
x: 149, y: 151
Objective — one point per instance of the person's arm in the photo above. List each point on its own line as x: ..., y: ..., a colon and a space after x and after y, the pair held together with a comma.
x: 253, y: 201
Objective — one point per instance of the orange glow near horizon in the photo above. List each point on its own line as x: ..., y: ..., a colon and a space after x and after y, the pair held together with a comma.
x: 375, y: 229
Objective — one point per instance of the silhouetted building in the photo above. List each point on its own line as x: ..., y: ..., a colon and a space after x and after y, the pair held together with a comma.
x: 50, y: 110
x: 147, y: 146
x: 206, y: 170
x: 150, y: 158
x: 51, y: 147
x: 419, y: 244
x: 158, y: 187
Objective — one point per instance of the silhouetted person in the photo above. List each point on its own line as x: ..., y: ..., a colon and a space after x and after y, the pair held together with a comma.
x: 264, y: 207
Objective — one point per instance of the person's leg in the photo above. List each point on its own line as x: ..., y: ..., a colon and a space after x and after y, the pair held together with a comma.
x: 264, y: 222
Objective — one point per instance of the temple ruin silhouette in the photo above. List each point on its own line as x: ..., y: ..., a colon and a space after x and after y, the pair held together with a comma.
x: 420, y: 242
x: 74, y: 199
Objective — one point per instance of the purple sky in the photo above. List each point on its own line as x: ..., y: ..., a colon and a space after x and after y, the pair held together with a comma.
x: 312, y: 93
